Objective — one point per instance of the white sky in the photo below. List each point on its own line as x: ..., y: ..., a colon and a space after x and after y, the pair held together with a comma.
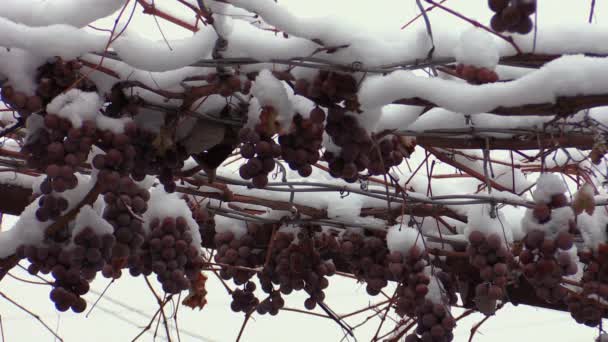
x: 216, y: 322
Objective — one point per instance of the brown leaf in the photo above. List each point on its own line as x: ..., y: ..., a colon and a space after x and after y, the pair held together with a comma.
x: 201, y: 136
x: 584, y: 200
x: 197, y: 296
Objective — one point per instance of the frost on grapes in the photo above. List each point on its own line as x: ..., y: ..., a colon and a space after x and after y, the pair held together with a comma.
x: 401, y: 239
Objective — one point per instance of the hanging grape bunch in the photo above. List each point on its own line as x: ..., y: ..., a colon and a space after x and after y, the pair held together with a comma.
x: 69, y: 285
x: 52, y: 78
x: 354, y: 142
x: 170, y: 253
x: 296, y: 264
x: 433, y: 317
x: 259, y: 149
x: 119, y: 157
x: 125, y: 202
x: 366, y: 257
x: 586, y: 307
x: 409, y: 271
x: 244, y: 300
x: 329, y: 88
x: 300, y: 147
x: 512, y: 15
x: 546, y: 260
x: 238, y: 251
x: 491, y: 257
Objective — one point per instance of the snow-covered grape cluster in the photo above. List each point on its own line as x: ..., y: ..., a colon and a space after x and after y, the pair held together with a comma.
x: 491, y: 257
x: 546, y: 260
x: 169, y: 253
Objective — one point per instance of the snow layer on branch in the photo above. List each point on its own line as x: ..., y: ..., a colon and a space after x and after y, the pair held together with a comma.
x: 149, y: 55
x: 271, y: 92
x: 89, y: 217
x: 76, y: 106
x: 226, y: 224
x: 163, y: 204
x: 565, y: 76
x: 44, y: 13
x: 20, y: 66
x: 400, y: 238
x: 547, y: 185
x: 479, y: 219
x: 477, y: 47
x: 48, y: 41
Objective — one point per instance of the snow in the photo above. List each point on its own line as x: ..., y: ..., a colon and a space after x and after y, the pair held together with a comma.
x: 480, y: 219
x: 547, y: 185
x: 76, y: 106
x: 270, y: 92
x: 401, y: 239
x: 49, y: 41
x: 478, y: 48
x: 44, y: 13
x: 89, y: 217
x: 145, y: 54
x: 225, y: 224
x: 163, y: 204
x: 565, y: 76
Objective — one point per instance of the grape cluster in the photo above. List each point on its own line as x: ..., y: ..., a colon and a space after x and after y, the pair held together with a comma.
x: 512, y: 15
x: 58, y: 143
x: 409, y: 271
x: 69, y: 284
x: 204, y: 219
x: 475, y: 75
x: 388, y: 152
x: 366, y: 257
x: 241, y: 251
x: 300, y: 147
x: 119, y: 156
x: 125, y: 201
x: 584, y: 306
x: 545, y: 261
x: 272, y: 304
x: 434, y: 323
x: 260, y: 150
x: 489, y: 255
x: 244, y: 300
x: 20, y: 101
x: 90, y: 251
x: 52, y: 79
x: 155, y: 157
x: 56, y: 76
x: 328, y: 88
x: 171, y: 255
x: 355, y: 144
x: 296, y: 264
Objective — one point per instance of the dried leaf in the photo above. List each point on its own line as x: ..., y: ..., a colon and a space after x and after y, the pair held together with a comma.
x: 584, y: 200
x: 202, y: 136
x: 197, y: 296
